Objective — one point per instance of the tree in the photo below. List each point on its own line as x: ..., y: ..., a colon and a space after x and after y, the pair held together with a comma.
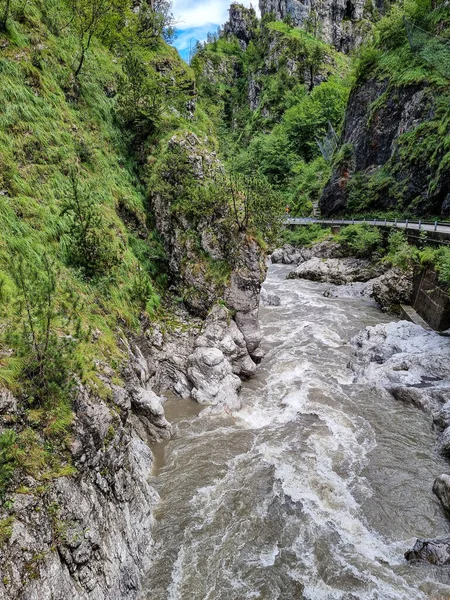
x: 155, y: 20
x: 43, y: 328
x: 89, y: 245
x: 88, y: 18
x: 142, y: 95
x: 252, y: 205
x: 146, y: 93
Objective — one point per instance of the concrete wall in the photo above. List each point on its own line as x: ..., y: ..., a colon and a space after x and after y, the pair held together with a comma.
x: 430, y: 300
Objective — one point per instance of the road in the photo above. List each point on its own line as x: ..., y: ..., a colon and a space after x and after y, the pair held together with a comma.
x: 401, y: 224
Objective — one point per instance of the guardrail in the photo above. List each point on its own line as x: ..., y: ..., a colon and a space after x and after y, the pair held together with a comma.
x: 440, y: 226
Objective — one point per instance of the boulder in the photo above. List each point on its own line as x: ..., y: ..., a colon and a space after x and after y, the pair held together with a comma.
x: 269, y: 299
x: 393, y: 288
x: 339, y: 271
x: 213, y: 378
x: 441, y: 488
x: 436, y: 552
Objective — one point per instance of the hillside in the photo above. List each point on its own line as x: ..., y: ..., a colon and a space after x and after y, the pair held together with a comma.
x: 272, y: 89
x: 394, y: 153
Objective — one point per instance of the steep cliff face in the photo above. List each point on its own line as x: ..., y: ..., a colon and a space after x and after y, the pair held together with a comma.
x: 341, y: 23
x: 394, y: 145
x: 242, y: 24
x: 89, y: 535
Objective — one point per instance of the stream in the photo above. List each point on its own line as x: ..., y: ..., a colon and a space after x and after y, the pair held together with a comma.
x: 314, y: 490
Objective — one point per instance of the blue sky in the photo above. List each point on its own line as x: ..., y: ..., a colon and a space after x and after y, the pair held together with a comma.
x: 198, y: 17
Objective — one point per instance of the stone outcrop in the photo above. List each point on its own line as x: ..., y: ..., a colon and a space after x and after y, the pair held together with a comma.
x: 436, y: 552
x: 89, y: 535
x: 404, y: 354
x: 393, y: 288
x: 339, y: 271
x: 189, y: 269
x: 242, y: 24
x: 375, y: 160
x: 288, y: 254
x: 341, y: 23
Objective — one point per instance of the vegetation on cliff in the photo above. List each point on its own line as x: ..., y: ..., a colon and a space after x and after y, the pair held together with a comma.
x: 91, y: 99
x: 272, y: 89
x: 396, y: 132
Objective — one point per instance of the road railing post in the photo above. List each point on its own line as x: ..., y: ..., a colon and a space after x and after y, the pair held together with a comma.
x: 406, y: 224
x: 353, y: 220
x: 395, y: 225
x: 385, y: 222
x: 435, y: 225
x: 364, y: 220
x: 374, y: 221
x: 420, y: 224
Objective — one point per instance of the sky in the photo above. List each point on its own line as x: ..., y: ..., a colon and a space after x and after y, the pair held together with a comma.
x: 195, y: 18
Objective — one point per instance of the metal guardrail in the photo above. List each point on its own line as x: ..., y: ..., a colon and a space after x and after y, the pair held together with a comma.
x: 439, y: 226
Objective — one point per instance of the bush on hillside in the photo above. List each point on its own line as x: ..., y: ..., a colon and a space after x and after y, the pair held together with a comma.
x: 360, y: 240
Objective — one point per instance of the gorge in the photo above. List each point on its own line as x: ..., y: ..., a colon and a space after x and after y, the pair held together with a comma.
x: 197, y: 401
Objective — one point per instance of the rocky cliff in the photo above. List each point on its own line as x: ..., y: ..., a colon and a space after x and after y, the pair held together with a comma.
x: 388, y: 160
x: 394, y: 146
x: 341, y: 23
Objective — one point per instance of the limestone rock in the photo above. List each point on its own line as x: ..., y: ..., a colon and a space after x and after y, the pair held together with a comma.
x: 339, y: 271
x: 213, y: 378
x: 393, y: 288
x: 242, y: 24
x: 373, y: 140
x: 436, y: 552
x: 269, y: 299
x: 341, y: 22
x: 8, y: 403
x: 147, y: 406
x: 441, y: 488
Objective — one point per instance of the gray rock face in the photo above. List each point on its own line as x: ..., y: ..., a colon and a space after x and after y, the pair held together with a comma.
x: 242, y: 24
x: 200, y: 292
x: 148, y: 409
x: 373, y: 137
x: 436, y: 552
x: 340, y: 22
x: 403, y: 354
x: 88, y: 536
x: 213, y: 378
x: 393, y: 288
x: 441, y: 488
x: 339, y: 271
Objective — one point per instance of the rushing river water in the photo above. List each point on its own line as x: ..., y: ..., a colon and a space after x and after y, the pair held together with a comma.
x: 314, y: 490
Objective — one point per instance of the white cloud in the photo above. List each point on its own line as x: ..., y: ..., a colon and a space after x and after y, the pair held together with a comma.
x: 198, y: 13
x: 195, y: 18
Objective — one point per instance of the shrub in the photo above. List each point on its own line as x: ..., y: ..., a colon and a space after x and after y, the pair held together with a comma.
x: 88, y: 243
x: 439, y: 259
x: 360, y: 240
x: 400, y: 253
x: 305, y: 235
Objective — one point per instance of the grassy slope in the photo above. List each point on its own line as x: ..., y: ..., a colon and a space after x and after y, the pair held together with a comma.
x: 49, y: 124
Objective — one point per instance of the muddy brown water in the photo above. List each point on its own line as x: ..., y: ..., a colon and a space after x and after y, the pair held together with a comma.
x: 314, y: 490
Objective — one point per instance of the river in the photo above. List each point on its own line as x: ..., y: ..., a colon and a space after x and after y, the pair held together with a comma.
x: 314, y: 490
